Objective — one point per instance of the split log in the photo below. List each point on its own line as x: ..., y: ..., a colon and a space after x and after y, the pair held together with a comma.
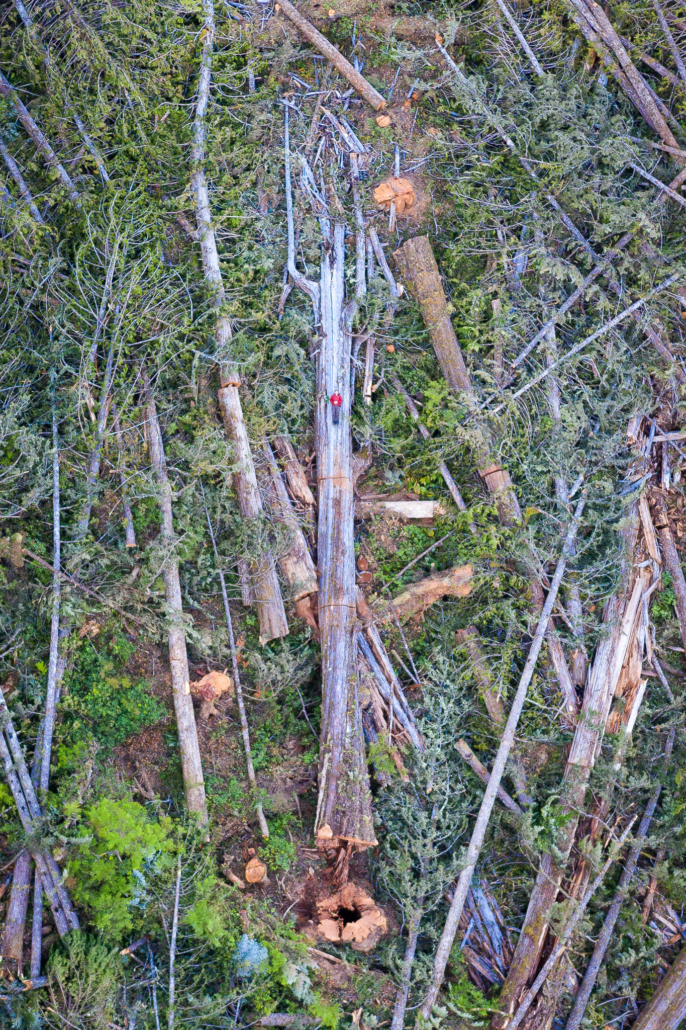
x: 666, y: 1008
x: 265, y: 591
x: 189, y: 745
x: 507, y: 740
x: 671, y: 558
x: 408, y: 510
x: 417, y: 597
x: 39, y: 139
x: 12, y: 946
x: 482, y: 772
x: 398, y: 712
x: 314, y: 36
x: 619, y: 616
x: 295, y: 562
x: 295, y: 474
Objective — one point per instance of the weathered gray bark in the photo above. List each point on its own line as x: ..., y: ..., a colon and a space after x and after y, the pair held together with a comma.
x: 265, y: 591
x: 24, y: 191
x: 667, y: 1007
x: 12, y: 947
x: 344, y: 804
x: 189, y: 746
x: 128, y: 514
x: 96, y: 454
x: 52, y: 691
x: 39, y: 139
x: 295, y: 475
x: 671, y: 558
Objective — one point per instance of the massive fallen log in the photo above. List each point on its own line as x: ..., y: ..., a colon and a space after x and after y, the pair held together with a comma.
x: 667, y: 1007
x: 189, y: 746
x: 264, y: 591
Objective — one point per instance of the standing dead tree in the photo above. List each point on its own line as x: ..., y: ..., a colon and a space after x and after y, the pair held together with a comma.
x: 265, y: 591
x: 189, y: 745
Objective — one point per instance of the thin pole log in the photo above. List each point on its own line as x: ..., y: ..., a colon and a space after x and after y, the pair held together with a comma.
x: 15, y: 786
x: 612, y: 914
x: 265, y: 592
x: 398, y: 1020
x: 482, y: 772
x: 37, y: 926
x: 656, y: 182
x: 367, y: 91
x: 245, y: 729
x: 171, y: 1008
x: 39, y: 139
x: 35, y: 36
x: 507, y: 740
x: 189, y: 745
x: 24, y: 191
x: 128, y: 514
x: 12, y: 946
x: 520, y: 36
x: 561, y: 942
x: 671, y: 42
x: 52, y: 684
x: 96, y: 453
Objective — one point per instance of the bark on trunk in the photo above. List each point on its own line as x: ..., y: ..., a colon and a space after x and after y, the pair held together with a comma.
x: 619, y: 616
x: 24, y: 191
x: 265, y: 591
x: 297, y: 567
x: 344, y: 804
x: 189, y: 745
x: 417, y: 597
x: 128, y: 514
x: 12, y: 949
x: 39, y: 139
x: 295, y: 474
x: 667, y: 1007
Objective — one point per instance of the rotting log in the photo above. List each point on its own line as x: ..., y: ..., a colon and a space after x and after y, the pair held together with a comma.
x: 417, y: 597
x: 482, y: 772
x: 264, y: 588
x: 619, y: 617
x: 189, y: 745
x: 295, y: 474
x: 295, y: 561
x: 314, y: 36
x: 344, y: 803
x: 12, y: 946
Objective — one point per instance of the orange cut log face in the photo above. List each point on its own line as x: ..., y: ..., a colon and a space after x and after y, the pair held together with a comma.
x: 399, y: 190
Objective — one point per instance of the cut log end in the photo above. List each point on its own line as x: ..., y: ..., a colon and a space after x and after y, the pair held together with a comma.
x: 351, y: 916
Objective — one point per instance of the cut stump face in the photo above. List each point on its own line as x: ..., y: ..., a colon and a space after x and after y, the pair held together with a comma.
x: 351, y: 916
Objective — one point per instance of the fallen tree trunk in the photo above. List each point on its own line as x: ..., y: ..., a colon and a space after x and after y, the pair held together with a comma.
x: 364, y: 88
x: 671, y: 558
x: 295, y: 474
x: 403, y: 509
x: 667, y: 1007
x: 482, y: 772
x: 12, y: 946
x: 24, y: 191
x: 265, y: 591
x: 189, y: 746
x: 344, y: 804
